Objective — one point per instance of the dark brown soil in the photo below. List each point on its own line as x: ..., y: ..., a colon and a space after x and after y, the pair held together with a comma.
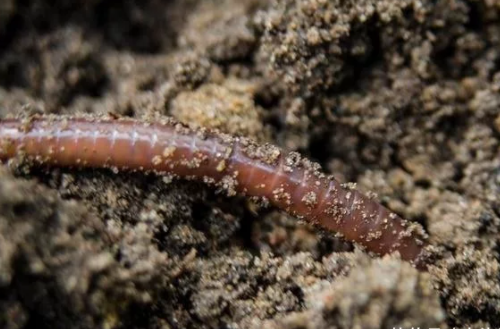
x: 400, y: 96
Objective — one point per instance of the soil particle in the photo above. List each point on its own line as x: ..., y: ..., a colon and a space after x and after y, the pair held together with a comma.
x: 469, y: 285
x: 56, y: 67
x: 57, y: 251
x: 242, y: 288
x: 314, y: 44
x: 224, y: 35
x: 191, y: 71
x: 376, y: 294
x: 279, y: 233
x: 219, y: 107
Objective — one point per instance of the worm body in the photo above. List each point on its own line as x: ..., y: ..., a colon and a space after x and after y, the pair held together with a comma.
x: 285, y: 180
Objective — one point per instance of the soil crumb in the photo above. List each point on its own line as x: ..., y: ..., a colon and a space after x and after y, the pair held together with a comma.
x: 375, y: 294
x: 219, y: 107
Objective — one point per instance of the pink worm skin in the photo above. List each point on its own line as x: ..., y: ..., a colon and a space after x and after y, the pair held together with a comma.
x: 285, y: 180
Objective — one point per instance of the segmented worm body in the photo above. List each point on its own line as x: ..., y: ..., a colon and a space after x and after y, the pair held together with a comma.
x: 285, y: 180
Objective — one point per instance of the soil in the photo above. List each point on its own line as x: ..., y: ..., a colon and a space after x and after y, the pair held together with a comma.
x: 401, y: 97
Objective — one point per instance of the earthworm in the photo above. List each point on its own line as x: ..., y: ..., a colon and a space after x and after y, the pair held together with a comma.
x: 238, y: 165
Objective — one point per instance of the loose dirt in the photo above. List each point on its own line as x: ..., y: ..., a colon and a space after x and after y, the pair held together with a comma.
x: 401, y: 97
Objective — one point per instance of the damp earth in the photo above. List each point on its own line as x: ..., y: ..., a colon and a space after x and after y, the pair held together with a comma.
x: 400, y: 97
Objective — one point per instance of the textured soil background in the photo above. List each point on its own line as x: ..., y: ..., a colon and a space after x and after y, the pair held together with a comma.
x: 400, y: 96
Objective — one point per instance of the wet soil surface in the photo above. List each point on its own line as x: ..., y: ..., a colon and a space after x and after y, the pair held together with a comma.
x: 401, y: 97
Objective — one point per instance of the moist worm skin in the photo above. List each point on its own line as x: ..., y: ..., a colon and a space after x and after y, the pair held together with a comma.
x: 237, y: 164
